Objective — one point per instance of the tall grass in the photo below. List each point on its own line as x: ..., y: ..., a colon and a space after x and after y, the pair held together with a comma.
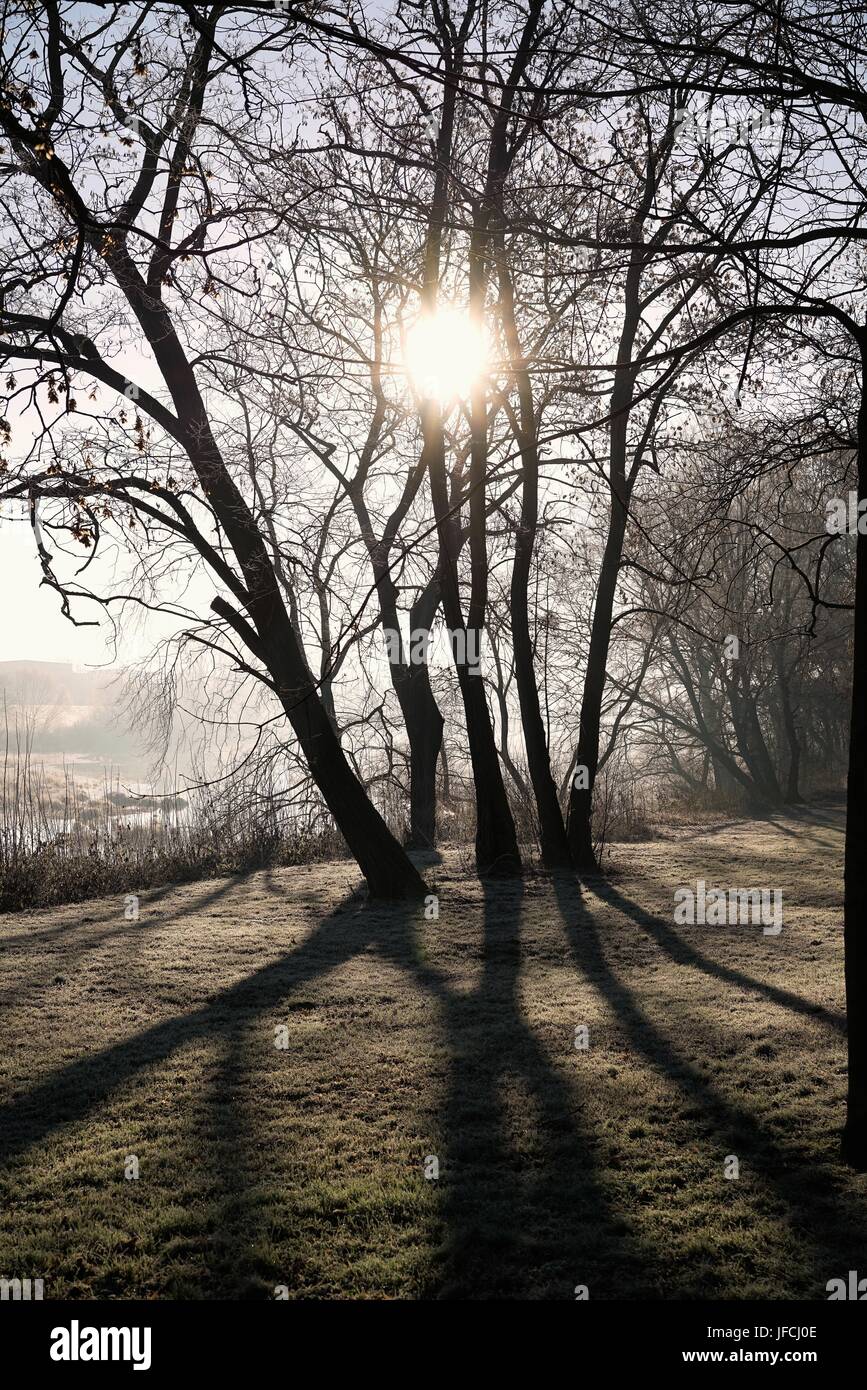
x: 60, y: 842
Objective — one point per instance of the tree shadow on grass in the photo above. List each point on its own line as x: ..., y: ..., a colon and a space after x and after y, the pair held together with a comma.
x: 135, y: 932
x: 75, y: 1091
x: 525, y: 1211
x: 70, y: 1092
x: 63, y: 929
x: 528, y: 1209
x: 682, y: 953
x: 795, y: 1174
x: 526, y: 1205
x: 810, y: 820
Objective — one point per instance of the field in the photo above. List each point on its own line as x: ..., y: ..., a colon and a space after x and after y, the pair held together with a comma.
x: 301, y: 1168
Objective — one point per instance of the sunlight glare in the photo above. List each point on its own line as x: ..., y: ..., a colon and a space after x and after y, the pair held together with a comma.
x: 446, y: 354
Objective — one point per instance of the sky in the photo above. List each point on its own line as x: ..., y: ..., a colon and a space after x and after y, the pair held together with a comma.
x: 33, y: 628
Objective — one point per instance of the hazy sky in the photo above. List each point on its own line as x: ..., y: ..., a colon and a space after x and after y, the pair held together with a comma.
x: 33, y: 627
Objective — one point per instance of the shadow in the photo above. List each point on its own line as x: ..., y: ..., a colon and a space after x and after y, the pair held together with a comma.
x: 829, y: 818
x: 87, y: 918
x: 69, y: 954
x: 679, y: 950
x: 528, y: 1208
x: 803, y: 1179
x: 832, y: 815
x: 525, y: 1212
x: 148, y: 897
x: 235, y: 1214
x: 71, y: 1091
x: 775, y: 818
x: 810, y: 821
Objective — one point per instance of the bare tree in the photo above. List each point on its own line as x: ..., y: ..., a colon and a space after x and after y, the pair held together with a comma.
x: 140, y: 245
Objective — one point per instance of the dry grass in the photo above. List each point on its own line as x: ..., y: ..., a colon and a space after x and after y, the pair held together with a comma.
x: 263, y: 1167
x: 66, y: 842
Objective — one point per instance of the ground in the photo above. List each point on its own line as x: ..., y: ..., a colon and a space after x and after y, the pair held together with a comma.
x: 302, y: 1168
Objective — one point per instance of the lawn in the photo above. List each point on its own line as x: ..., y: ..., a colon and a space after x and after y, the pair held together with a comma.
x: 303, y: 1167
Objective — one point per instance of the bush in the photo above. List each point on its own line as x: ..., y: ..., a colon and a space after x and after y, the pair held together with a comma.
x: 61, y: 845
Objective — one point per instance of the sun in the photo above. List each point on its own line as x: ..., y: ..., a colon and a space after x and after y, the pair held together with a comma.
x: 446, y: 354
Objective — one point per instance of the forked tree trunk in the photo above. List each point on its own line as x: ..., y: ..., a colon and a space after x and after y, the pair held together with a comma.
x: 411, y: 684
x: 751, y: 739
x: 496, y: 842
x: 552, y: 831
x: 424, y: 727
x: 580, y: 825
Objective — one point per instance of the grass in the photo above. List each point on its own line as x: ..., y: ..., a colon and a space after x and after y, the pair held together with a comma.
x: 51, y: 875
x: 303, y: 1168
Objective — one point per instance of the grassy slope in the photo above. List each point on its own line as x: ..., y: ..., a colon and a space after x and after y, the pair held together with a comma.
x: 304, y: 1167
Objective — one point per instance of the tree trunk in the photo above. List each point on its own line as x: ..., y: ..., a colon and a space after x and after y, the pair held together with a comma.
x: 854, y: 1143
x: 725, y: 785
x: 580, y: 828
x: 793, y: 772
x: 751, y: 740
x: 496, y: 842
x: 501, y: 692
x: 424, y: 728
x: 385, y: 865
x: 552, y: 831
x: 270, y: 636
